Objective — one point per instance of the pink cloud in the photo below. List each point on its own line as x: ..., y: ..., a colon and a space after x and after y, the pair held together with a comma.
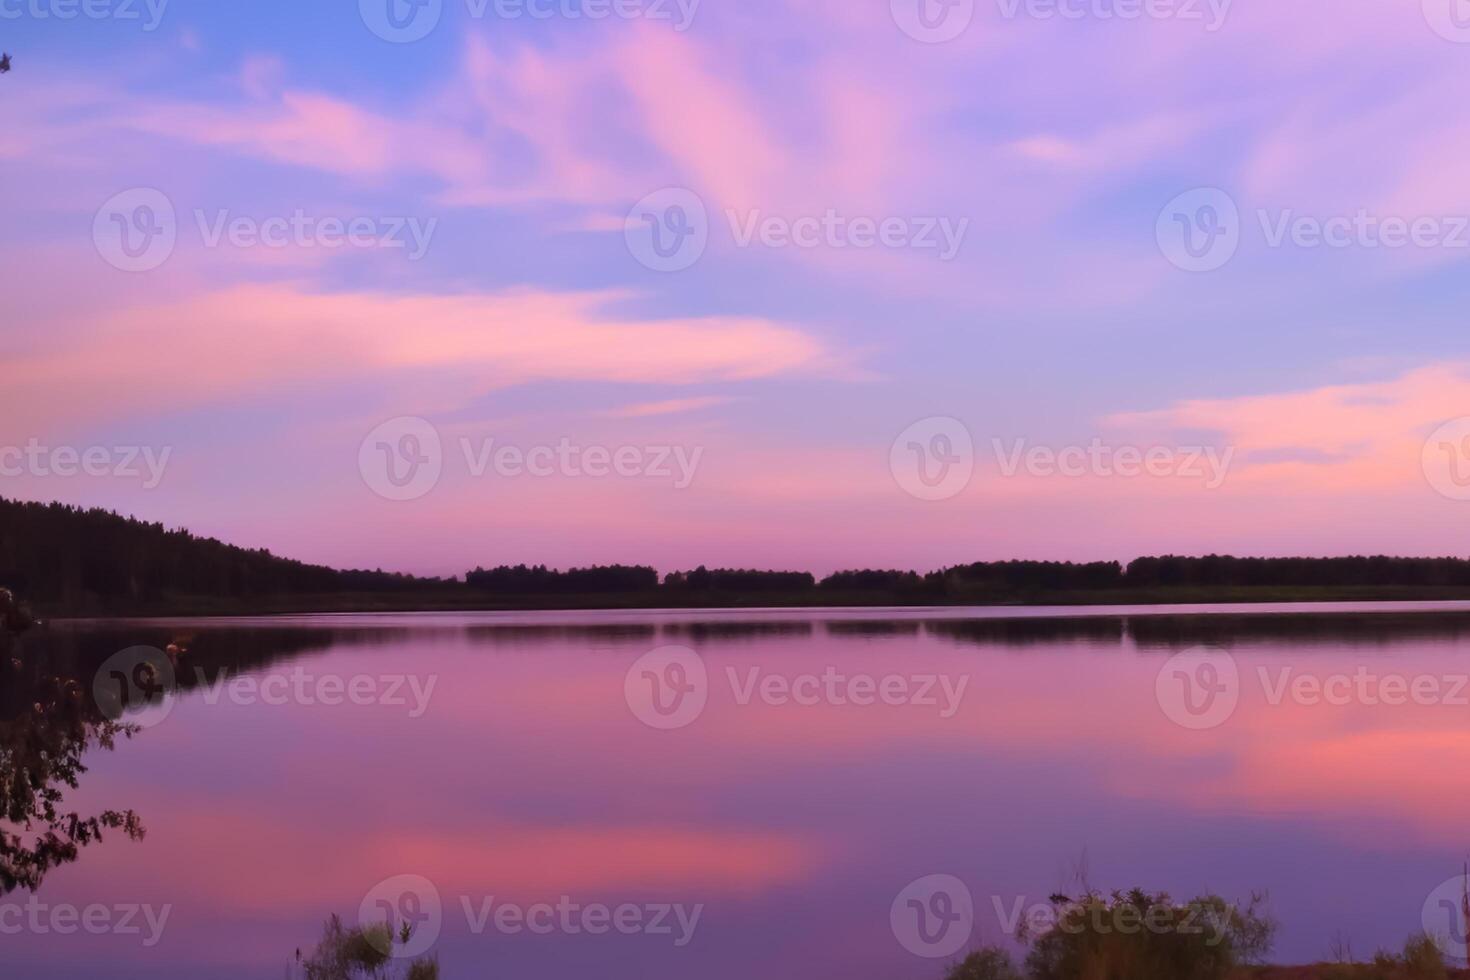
x: 1334, y: 439
x: 239, y: 341
x: 673, y: 406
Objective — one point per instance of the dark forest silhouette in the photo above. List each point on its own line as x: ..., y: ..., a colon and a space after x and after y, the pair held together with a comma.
x: 70, y: 559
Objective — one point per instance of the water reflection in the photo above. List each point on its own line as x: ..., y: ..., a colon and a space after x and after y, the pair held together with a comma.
x: 736, y: 629
x: 1022, y: 633
x: 47, y: 723
x: 530, y: 778
x: 50, y: 718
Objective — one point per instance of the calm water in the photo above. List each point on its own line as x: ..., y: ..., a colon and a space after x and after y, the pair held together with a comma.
x: 822, y: 763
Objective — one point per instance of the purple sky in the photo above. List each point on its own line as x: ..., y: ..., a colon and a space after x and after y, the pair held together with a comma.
x: 775, y: 282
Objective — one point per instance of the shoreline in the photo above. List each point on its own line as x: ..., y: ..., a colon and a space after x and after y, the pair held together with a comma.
x: 1181, y: 602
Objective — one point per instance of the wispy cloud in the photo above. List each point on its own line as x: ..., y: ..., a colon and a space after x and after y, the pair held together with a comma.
x: 246, y: 341
x: 673, y: 406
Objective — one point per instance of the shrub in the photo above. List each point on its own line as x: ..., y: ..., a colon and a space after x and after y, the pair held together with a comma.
x: 361, y: 954
x: 1420, y: 960
x: 988, y: 963
x: 1142, y: 936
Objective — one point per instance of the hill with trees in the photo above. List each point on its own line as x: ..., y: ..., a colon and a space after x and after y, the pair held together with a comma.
x: 72, y: 561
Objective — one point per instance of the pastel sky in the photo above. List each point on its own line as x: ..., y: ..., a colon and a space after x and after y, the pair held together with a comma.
x: 515, y: 157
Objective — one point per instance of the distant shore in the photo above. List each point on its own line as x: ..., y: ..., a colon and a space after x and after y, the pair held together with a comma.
x: 67, y: 562
x: 462, y: 599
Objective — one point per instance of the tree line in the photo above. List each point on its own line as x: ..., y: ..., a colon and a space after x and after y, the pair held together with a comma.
x: 56, y: 553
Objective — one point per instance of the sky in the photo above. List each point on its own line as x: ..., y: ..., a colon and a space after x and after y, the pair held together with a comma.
x: 778, y: 283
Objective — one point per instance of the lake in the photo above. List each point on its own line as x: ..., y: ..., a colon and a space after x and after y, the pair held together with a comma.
x: 727, y: 794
